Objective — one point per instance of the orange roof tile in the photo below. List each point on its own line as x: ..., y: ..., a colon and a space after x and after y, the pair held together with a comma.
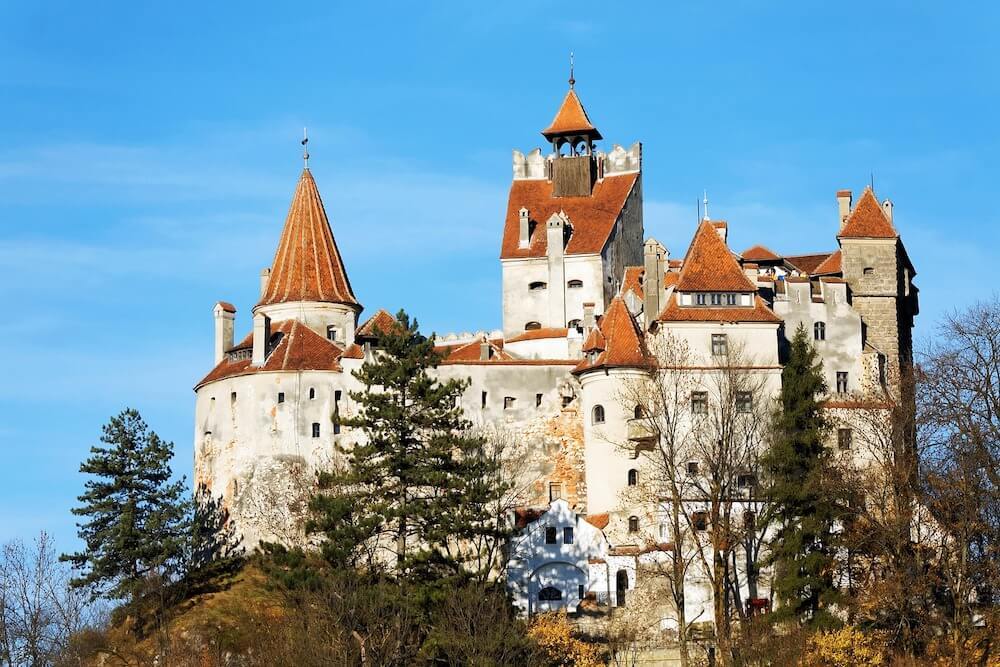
x: 595, y: 340
x: 832, y: 264
x: 867, y: 220
x: 759, y: 253
x: 571, y: 119
x: 673, y: 312
x: 623, y: 344
x: 593, y: 218
x: 632, y: 280
x: 710, y: 267
x: 380, y: 321
x: 537, y: 334
x: 807, y: 263
x: 307, y: 265
x: 471, y: 352
x: 298, y: 349
x: 599, y: 521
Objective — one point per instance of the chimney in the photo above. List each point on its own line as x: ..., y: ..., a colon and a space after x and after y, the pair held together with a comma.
x: 844, y: 206
x: 654, y: 258
x: 225, y: 318
x: 588, y: 318
x: 722, y: 228
x: 261, y: 335
x: 887, y: 209
x: 485, y: 351
x: 265, y: 278
x: 556, y: 246
x: 525, y: 235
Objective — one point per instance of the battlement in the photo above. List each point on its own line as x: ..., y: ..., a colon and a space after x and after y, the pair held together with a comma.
x: 535, y: 166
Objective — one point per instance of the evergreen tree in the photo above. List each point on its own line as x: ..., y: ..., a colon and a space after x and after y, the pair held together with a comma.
x: 419, y: 484
x: 804, y: 488
x: 137, y: 522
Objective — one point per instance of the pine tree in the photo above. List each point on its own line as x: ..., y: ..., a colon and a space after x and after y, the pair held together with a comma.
x: 419, y: 483
x: 137, y: 522
x: 804, y: 488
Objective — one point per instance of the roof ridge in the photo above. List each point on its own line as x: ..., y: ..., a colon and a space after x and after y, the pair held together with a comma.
x: 709, y: 265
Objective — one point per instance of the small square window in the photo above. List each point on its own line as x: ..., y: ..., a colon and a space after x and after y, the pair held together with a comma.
x: 550, y: 535
x: 700, y: 520
x: 281, y: 397
x: 716, y: 299
x: 315, y: 429
x: 844, y: 438
x: 744, y: 401
x: 568, y: 535
x: 699, y: 402
x: 746, y: 480
x: 508, y: 402
x: 692, y: 467
x: 555, y: 491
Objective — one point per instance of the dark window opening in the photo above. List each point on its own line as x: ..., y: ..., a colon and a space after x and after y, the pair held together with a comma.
x: 581, y: 592
x: 841, y: 382
x: 315, y: 429
x: 574, y: 324
x: 700, y: 520
x: 819, y: 331
x: 692, y: 467
x: 549, y: 594
x: 508, y: 402
x: 744, y: 401
x: 730, y: 299
x: 598, y: 415
x: 232, y: 396
x: 844, y: 438
x: 568, y: 535
x: 699, y: 402
x: 312, y: 393
x: 869, y: 271
x: 537, y: 285
x: 573, y: 284
x: 716, y: 299
x: 532, y: 326
x: 633, y: 477
x: 483, y: 405
x: 638, y: 412
x: 281, y: 397
x: 749, y: 520
x: 720, y: 345
x: 633, y: 524
x: 700, y: 299
x: 555, y: 491
x: 538, y: 400
x: 550, y: 535
x: 621, y: 586
x: 331, y: 333
x: 746, y: 480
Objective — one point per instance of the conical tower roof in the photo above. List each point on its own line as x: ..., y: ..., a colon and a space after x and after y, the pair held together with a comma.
x: 307, y: 265
x: 868, y: 220
x: 571, y: 119
x: 709, y: 266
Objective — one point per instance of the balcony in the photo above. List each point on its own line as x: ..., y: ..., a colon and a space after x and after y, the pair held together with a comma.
x: 642, y: 430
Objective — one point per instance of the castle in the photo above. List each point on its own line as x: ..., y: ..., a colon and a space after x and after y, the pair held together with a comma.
x: 588, y: 305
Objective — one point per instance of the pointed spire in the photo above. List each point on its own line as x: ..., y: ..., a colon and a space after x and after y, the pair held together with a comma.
x: 572, y: 81
x: 305, y: 147
x: 868, y: 220
x: 307, y: 265
x: 616, y: 342
x: 571, y: 119
x: 709, y: 266
x: 705, y: 202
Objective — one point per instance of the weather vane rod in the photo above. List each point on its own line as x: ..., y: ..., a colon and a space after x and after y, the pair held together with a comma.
x: 305, y: 147
x: 572, y: 81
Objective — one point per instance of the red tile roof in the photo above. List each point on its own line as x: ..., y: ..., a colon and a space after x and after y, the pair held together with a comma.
x: 307, y: 265
x: 832, y: 264
x: 599, y: 521
x: 710, y: 267
x: 622, y: 344
x: 571, y: 119
x: 226, y: 306
x: 299, y: 349
x: 537, y: 334
x: 380, y: 321
x: 759, y: 253
x: 868, y: 220
x: 527, y: 515
x: 472, y: 352
x: 807, y: 263
x: 593, y: 218
x: 673, y: 312
x: 632, y: 280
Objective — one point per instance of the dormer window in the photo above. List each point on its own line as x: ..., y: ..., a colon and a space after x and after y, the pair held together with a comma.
x: 532, y: 326
x: 716, y: 299
x: 869, y: 271
x: 537, y: 285
x: 574, y: 284
x: 730, y: 299
x: 699, y: 299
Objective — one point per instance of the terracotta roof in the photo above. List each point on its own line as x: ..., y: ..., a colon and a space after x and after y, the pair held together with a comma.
x: 380, y: 321
x: 298, y: 349
x: 537, y: 334
x: 595, y: 340
x: 599, y: 521
x: 671, y: 278
x: 710, y: 267
x: 868, y: 220
x: 759, y: 253
x: 226, y: 306
x: 758, y: 313
x: 307, y: 265
x: 675, y: 263
x: 632, y: 280
x: 622, y: 346
x: 831, y: 279
x: 593, y: 218
x: 353, y: 351
x: 526, y: 515
x: 471, y: 352
x: 571, y: 119
x: 807, y: 263
x: 832, y: 264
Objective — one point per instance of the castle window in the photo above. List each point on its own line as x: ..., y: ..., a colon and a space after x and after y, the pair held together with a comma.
x: 633, y: 477
x: 699, y: 402
x: 508, y: 402
x: 720, y: 345
x: 638, y: 412
x: 573, y: 284
x: 869, y: 271
x: 746, y: 480
x: 633, y: 524
x: 597, y: 415
x: 744, y: 401
x: 549, y: 594
x: 331, y: 332
x: 819, y: 331
x: 716, y: 299
x: 749, y: 519
x: 532, y: 326
x: 281, y: 397
x: 315, y: 429
x: 483, y: 405
x: 692, y: 467
x: 844, y: 438
x: 699, y: 299
x: 841, y: 382
x: 699, y: 520
x: 730, y: 299
x: 574, y: 324
x: 555, y: 491
x: 537, y: 285
x: 538, y: 400
x: 568, y: 535
x: 232, y: 397
x: 312, y: 393
x: 550, y: 535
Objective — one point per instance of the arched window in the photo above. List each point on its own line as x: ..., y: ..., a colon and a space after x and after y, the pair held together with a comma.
x: 531, y: 326
x: 550, y: 593
x: 633, y: 524
x: 869, y: 271
x: 537, y: 285
x: 597, y: 415
x: 819, y: 331
x: 633, y: 477
x: 573, y: 284
x: 639, y: 413
x: 574, y: 324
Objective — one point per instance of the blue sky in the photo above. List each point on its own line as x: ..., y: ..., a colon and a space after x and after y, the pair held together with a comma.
x: 148, y: 152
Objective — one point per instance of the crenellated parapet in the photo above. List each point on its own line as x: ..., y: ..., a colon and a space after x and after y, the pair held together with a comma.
x: 535, y: 166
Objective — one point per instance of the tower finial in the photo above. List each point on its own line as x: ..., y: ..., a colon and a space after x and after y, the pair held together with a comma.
x: 705, y: 201
x: 305, y: 147
x: 572, y: 81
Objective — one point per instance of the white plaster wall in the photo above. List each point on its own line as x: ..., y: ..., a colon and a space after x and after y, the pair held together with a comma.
x: 759, y: 342
x: 522, y: 305
x: 317, y: 316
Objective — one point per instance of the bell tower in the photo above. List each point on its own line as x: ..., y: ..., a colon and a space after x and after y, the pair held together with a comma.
x: 572, y: 135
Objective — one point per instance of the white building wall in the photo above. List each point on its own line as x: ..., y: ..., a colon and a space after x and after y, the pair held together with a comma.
x: 522, y: 304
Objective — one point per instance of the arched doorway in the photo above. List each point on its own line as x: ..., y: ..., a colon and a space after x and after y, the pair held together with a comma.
x: 556, y: 585
x: 621, y: 587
